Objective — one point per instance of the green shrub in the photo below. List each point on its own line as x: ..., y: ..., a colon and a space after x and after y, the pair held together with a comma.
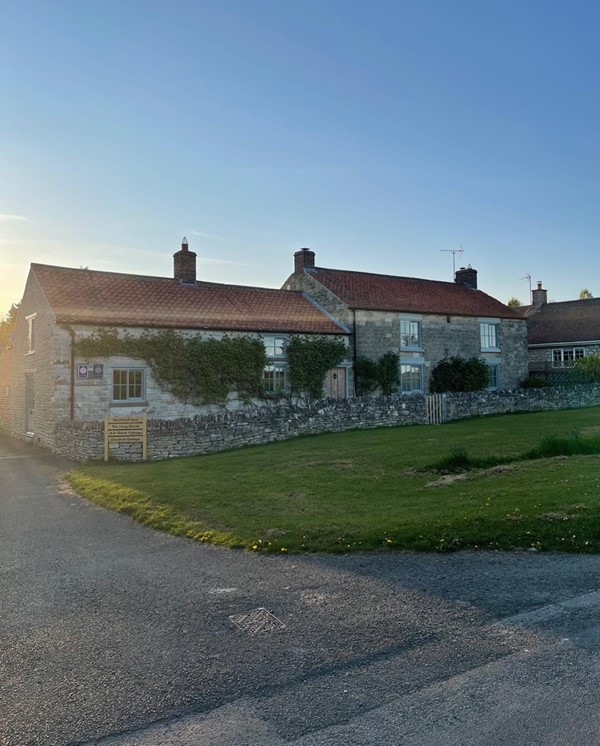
x: 365, y: 373
x: 535, y: 382
x: 458, y: 374
x: 589, y: 368
x: 387, y: 373
x: 382, y: 374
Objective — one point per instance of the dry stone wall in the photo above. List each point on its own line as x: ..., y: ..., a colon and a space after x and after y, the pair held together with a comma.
x: 221, y: 431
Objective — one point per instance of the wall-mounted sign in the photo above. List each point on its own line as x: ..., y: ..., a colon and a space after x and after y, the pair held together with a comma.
x: 89, y: 371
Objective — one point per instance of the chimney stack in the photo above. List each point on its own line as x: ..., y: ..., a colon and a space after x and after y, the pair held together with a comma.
x: 184, y: 264
x: 539, y: 296
x: 304, y: 259
x: 466, y: 276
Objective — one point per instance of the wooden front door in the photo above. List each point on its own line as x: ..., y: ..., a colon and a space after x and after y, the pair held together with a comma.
x: 336, y: 383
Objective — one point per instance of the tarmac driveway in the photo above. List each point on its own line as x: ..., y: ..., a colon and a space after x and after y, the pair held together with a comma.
x: 113, y: 634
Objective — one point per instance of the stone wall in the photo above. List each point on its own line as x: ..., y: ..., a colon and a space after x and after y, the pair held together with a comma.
x: 221, y: 431
x: 225, y: 430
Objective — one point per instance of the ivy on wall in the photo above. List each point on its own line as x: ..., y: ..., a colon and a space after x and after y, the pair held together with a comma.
x: 197, y: 371
x: 309, y: 360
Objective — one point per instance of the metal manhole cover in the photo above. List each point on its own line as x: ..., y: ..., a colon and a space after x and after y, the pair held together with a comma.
x: 256, y: 621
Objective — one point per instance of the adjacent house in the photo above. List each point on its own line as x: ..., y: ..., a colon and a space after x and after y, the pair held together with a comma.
x: 559, y: 334
x: 51, y: 382
x: 423, y: 321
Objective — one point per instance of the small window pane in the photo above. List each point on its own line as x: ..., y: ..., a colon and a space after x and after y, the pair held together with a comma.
x: 274, y: 346
x: 411, y: 378
x: 410, y: 333
x: 489, y: 336
x: 128, y: 384
x: 494, y: 376
x: 274, y: 378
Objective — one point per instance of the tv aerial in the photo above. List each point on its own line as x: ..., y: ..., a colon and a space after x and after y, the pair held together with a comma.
x: 454, y: 252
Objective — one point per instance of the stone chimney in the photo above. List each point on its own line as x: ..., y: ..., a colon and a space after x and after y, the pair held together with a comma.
x: 466, y: 276
x: 184, y: 264
x: 304, y: 259
x: 539, y: 296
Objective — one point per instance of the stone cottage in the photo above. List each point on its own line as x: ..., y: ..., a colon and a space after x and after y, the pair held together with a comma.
x: 559, y: 334
x: 51, y: 382
x: 422, y: 321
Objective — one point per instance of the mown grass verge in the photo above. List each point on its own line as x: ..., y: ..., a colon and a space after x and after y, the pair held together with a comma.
x: 375, y: 489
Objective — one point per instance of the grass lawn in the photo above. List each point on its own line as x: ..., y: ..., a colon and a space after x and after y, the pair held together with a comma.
x: 374, y: 489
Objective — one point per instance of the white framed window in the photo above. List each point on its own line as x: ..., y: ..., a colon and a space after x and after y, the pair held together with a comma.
x: 30, y: 332
x: 275, y: 379
x: 489, y: 332
x: 565, y: 357
x: 128, y: 385
x: 275, y: 346
x: 411, y: 377
x: 410, y: 334
x: 493, y: 376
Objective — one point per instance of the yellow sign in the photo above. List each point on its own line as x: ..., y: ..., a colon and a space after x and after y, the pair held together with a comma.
x: 125, y: 430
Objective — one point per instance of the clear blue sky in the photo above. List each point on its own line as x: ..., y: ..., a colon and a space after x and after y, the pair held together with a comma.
x: 378, y: 134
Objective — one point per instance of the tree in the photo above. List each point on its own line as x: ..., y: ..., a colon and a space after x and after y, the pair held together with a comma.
x: 7, y: 323
x: 514, y: 302
x: 585, y: 294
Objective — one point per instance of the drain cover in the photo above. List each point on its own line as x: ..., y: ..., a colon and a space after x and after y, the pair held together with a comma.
x: 257, y: 621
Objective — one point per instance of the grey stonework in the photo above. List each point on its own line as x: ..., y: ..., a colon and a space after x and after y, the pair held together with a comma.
x: 378, y: 332
x: 209, y: 433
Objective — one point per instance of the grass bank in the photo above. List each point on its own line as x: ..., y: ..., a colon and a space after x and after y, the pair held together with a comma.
x: 375, y: 489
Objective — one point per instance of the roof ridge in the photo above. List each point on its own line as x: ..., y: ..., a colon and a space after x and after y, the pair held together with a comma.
x: 164, y: 279
x: 392, y: 277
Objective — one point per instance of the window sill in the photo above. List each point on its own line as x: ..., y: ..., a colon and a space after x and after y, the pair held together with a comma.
x: 411, y: 349
x: 490, y: 349
x: 132, y: 403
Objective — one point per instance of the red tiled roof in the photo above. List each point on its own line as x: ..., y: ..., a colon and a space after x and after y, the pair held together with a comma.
x: 363, y: 290
x: 83, y: 296
x: 568, y: 321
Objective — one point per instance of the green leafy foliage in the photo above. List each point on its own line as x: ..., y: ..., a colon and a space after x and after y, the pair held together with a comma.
x: 309, y: 360
x: 535, y: 382
x: 382, y: 374
x: 366, y: 375
x: 195, y: 370
x: 387, y: 373
x: 459, y: 374
x: 7, y: 323
x: 589, y: 368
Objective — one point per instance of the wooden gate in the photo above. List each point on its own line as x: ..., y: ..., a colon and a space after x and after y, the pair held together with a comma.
x: 436, y: 409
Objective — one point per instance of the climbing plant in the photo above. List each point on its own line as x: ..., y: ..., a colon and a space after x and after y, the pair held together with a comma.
x: 309, y: 360
x: 195, y: 370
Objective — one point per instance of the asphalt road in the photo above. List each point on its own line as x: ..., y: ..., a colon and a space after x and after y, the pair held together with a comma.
x: 115, y: 635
